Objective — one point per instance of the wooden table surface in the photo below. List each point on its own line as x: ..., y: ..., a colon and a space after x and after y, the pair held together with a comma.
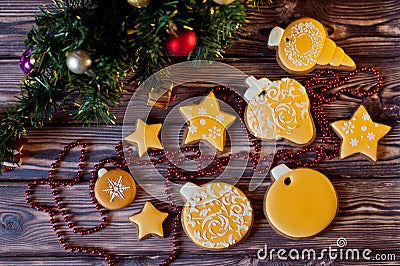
x: 369, y: 192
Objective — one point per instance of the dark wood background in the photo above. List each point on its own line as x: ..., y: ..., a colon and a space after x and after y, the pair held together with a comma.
x: 369, y: 193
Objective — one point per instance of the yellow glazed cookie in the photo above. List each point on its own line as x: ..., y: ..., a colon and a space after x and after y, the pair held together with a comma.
x: 360, y: 134
x: 145, y: 137
x: 149, y: 221
x: 304, y: 44
x: 206, y: 121
x: 114, y: 189
x: 160, y: 96
x: 279, y: 109
x: 216, y: 215
x: 301, y: 202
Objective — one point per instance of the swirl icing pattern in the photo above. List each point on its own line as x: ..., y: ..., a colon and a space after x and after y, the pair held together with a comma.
x: 216, y: 215
x: 280, y: 110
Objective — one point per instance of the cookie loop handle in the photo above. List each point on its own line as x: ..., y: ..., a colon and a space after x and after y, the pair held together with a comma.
x: 275, y: 36
x: 279, y: 171
x: 255, y: 87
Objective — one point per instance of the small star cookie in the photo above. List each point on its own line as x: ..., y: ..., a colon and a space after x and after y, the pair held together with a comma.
x: 206, y: 121
x: 360, y: 134
x: 145, y: 137
x: 149, y: 221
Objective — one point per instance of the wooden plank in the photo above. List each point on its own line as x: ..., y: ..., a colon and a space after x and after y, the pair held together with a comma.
x: 259, y: 67
x: 45, y: 145
x: 368, y: 214
x: 376, y: 38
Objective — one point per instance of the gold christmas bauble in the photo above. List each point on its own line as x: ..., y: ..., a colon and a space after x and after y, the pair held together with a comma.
x: 139, y: 3
x: 223, y: 2
x: 78, y: 61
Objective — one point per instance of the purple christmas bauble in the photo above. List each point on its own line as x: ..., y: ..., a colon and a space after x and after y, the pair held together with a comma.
x: 27, y: 63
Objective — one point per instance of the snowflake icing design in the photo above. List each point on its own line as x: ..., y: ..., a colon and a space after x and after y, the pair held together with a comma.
x: 202, y: 111
x: 365, y: 116
x: 214, y: 132
x: 193, y: 129
x: 348, y: 127
x: 354, y: 142
x: 371, y: 136
x: 116, y: 189
x: 220, y: 118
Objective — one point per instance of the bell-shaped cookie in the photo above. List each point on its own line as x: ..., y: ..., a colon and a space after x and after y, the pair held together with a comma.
x: 304, y: 45
x: 279, y: 110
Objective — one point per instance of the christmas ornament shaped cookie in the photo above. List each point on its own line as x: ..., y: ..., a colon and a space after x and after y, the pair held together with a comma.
x: 145, y: 137
x: 279, y: 110
x: 114, y: 189
x: 216, y: 215
x: 300, y: 202
x: 206, y: 121
x: 360, y: 134
x: 304, y: 45
x: 149, y: 221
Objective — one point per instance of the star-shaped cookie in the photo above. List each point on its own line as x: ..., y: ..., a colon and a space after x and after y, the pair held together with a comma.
x: 149, y: 221
x: 206, y: 121
x: 360, y: 134
x: 145, y: 137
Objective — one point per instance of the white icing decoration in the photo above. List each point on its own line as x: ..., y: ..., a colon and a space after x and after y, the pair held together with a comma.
x: 202, y: 111
x: 348, y: 127
x: 364, y: 128
x: 202, y: 122
x: 227, y: 220
x: 192, y: 129
x: 214, y: 132
x: 354, y: 142
x: 371, y: 136
x: 365, y: 116
x: 220, y: 118
x: 116, y: 189
x: 277, y: 109
x: 317, y: 41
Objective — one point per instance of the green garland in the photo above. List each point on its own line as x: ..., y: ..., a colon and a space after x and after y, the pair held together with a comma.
x: 122, y: 41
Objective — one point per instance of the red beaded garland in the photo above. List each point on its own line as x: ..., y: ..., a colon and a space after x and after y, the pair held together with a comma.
x: 317, y: 88
x: 63, y: 211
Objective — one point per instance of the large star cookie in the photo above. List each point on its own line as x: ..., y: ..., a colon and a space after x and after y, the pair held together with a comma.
x: 145, y: 137
x: 206, y: 121
x: 360, y: 134
x: 149, y: 221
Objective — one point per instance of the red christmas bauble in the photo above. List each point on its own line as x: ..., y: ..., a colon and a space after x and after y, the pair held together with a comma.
x: 182, y: 43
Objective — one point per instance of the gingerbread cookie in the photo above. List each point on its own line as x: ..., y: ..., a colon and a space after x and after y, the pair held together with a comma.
x: 160, y: 96
x: 145, y: 137
x: 114, y: 189
x: 206, y: 121
x: 300, y: 203
x: 216, y: 215
x: 360, y: 134
x: 279, y: 109
x: 149, y: 221
x: 304, y: 45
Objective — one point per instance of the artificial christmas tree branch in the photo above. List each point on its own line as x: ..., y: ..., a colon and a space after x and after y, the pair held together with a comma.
x: 106, y: 40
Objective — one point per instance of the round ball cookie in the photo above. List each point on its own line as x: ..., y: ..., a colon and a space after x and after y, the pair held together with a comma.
x: 300, y: 203
x: 216, y: 215
x: 304, y: 44
x: 114, y: 189
x: 279, y: 109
